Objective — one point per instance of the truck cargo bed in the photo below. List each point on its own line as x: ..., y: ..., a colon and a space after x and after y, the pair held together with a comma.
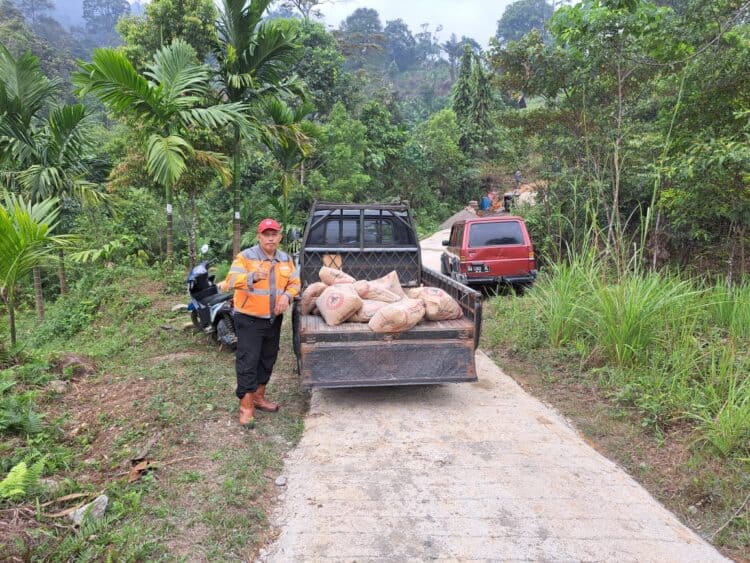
x: 369, y: 241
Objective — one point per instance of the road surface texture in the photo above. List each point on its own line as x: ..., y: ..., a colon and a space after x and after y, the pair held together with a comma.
x: 465, y: 472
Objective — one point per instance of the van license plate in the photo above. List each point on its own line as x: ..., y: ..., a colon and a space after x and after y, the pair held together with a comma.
x: 478, y: 268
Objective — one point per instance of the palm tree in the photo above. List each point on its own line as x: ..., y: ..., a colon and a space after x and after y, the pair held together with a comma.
x: 171, y: 98
x: 290, y: 145
x: 45, y: 155
x: 254, y: 60
x: 25, y: 243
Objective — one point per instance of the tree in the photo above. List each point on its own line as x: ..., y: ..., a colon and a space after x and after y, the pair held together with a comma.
x: 44, y: 154
x: 521, y: 17
x: 341, y: 155
x: 34, y: 9
x: 26, y: 242
x: 463, y: 94
x: 385, y: 140
x: 168, y: 101
x: 193, y: 21
x: 322, y: 68
x: 101, y: 17
x: 454, y: 49
x: 400, y: 44
x: 254, y: 59
x: 361, y: 38
x: 290, y: 146
x: 306, y: 8
x: 55, y: 59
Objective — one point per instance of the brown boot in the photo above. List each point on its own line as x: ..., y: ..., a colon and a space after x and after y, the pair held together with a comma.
x: 261, y: 403
x: 247, y: 410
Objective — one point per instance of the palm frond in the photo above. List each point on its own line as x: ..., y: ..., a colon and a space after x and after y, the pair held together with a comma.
x: 111, y: 77
x: 274, y: 51
x: 177, y: 71
x: 67, y: 136
x: 25, y: 239
x: 24, y: 90
x: 218, y: 162
x: 165, y: 158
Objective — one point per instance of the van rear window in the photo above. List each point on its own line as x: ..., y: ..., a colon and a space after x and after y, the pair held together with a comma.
x: 493, y: 234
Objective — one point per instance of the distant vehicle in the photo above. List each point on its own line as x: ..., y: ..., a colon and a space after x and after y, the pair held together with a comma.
x: 491, y: 250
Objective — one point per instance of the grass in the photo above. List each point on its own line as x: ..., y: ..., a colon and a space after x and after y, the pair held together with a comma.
x: 658, y: 358
x: 209, y: 495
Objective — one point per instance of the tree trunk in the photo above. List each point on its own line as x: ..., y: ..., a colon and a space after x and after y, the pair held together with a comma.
x: 38, y: 296
x: 236, y: 177
x: 170, y: 232
x: 61, y: 274
x: 191, y: 233
x: 12, y: 317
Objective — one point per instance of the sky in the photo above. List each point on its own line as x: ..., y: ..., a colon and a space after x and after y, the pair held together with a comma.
x: 474, y: 18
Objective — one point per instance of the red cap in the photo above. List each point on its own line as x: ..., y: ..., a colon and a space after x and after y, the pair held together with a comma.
x: 268, y: 225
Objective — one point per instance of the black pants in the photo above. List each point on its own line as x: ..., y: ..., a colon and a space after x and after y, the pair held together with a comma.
x: 257, y: 349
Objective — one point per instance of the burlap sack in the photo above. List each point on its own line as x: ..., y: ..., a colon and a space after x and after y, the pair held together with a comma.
x: 311, y: 293
x: 439, y: 306
x: 367, y: 311
x: 375, y: 291
x: 391, y: 282
x: 337, y: 303
x: 397, y: 317
x: 331, y: 276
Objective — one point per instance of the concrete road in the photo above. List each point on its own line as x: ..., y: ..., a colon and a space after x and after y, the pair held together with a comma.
x: 466, y: 472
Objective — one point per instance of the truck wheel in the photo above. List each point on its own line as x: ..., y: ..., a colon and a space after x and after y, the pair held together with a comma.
x: 225, y: 333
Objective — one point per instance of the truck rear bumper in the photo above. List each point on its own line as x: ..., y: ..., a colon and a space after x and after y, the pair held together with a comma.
x: 492, y: 280
x: 377, y: 364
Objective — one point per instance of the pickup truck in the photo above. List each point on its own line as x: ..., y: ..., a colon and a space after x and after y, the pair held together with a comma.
x: 368, y: 241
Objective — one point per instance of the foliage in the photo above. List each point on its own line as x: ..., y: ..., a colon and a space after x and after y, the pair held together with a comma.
x: 20, y: 480
x: 101, y: 17
x: 521, y: 17
x: 25, y: 243
x: 163, y: 22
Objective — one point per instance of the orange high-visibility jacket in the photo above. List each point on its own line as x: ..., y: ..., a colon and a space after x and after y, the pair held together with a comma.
x: 256, y: 298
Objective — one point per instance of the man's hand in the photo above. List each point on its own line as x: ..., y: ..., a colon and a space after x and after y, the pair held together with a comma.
x: 223, y: 286
x: 281, y: 304
x: 261, y: 273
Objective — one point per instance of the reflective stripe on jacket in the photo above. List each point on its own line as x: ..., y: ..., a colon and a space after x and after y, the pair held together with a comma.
x: 257, y: 298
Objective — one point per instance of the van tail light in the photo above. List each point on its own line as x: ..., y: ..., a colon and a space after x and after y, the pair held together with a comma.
x: 531, y: 255
x: 462, y: 257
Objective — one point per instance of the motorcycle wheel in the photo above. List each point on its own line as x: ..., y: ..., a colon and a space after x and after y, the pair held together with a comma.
x: 225, y: 333
x: 196, y: 321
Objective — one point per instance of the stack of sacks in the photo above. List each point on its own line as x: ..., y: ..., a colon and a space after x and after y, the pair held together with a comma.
x: 337, y: 303
x: 397, y: 317
x: 381, y: 303
x: 439, y: 306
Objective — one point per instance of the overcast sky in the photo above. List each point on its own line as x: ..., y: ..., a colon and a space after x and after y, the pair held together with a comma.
x: 474, y: 18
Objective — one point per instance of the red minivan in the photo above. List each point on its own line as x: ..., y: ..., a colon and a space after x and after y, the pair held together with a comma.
x: 488, y: 251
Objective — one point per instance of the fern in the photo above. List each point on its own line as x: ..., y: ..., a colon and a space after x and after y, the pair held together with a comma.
x: 16, y: 415
x: 20, y: 480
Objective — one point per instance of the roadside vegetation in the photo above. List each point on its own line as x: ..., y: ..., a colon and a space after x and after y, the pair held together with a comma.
x: 144, y: 412
x: 653, y: 367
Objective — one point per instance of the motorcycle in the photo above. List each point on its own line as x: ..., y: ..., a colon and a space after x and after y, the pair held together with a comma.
x: 210, y: 310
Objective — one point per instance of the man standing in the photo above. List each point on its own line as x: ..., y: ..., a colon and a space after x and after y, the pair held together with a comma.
x: 265, y: 282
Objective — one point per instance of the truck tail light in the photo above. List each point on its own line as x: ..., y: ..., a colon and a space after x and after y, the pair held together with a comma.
x: 531, y: 255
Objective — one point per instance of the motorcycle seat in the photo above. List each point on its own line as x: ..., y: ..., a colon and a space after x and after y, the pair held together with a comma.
x: 218, y: 298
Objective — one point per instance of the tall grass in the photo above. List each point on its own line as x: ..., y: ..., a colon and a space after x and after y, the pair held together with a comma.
x: 677, y: 349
